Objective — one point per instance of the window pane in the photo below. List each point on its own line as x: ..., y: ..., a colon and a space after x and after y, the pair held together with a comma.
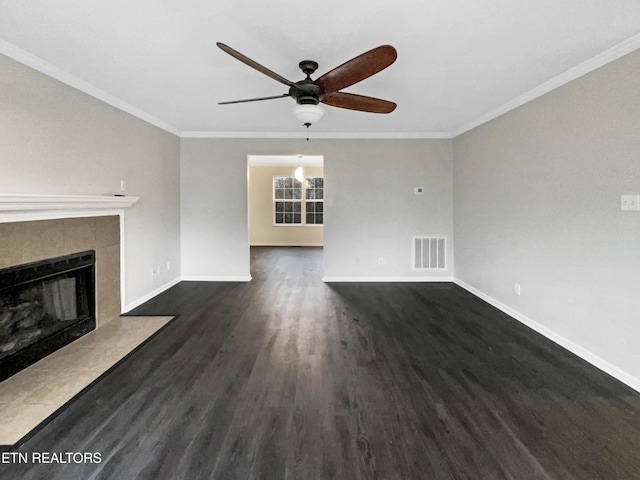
x: 289, y: 192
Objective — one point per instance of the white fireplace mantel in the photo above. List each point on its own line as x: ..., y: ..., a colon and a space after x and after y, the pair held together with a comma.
x: 20, y: 207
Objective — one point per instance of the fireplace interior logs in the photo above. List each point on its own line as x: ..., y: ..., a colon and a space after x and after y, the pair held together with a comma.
x: 43, y: 306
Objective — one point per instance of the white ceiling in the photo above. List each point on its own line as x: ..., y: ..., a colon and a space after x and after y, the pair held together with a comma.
x: 460, y: 62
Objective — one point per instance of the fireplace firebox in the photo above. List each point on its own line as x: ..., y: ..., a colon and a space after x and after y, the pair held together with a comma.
x: 44, y: 306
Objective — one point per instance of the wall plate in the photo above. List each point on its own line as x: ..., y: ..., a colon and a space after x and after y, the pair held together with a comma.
x: 630, y: 202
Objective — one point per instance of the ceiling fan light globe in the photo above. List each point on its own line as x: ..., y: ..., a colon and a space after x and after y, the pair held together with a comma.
x: 307, y: 113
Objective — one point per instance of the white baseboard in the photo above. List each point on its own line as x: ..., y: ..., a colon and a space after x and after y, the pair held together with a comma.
x: 274, y: 244
x: 149, y: 296
x: 330, y: 279
x: 216, y: 278
x: 578, y: 350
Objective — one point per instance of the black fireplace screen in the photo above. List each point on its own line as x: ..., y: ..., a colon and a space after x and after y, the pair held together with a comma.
x: 43, y: 306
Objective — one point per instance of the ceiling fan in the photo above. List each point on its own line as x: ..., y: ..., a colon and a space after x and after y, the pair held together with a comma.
x: 326, y: 88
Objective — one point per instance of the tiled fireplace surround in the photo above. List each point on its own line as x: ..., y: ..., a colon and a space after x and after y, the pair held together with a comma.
x: 30, y: 241
x: 48, y: 226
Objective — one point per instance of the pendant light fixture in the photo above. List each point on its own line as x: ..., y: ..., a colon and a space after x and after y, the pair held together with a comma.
x: 299, y: 173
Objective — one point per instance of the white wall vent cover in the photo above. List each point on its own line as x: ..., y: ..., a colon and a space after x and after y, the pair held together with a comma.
x: 429, y: 252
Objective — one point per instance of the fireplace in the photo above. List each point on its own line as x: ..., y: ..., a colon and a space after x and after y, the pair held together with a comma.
x: 44, y: 305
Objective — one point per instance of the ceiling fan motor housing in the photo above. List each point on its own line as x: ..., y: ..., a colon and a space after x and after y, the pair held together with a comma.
x: 306, y: 92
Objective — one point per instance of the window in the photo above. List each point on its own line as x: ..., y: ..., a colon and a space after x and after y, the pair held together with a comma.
x: 287, y: 196
x: 314, y: 200
x: 298, y: 203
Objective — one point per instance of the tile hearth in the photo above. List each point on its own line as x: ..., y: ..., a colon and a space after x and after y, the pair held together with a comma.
x: 32, y: 395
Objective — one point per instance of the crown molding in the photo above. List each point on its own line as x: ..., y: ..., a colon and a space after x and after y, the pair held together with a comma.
x: 320, y: 135
x: 600, y: 60
x: 608, y: 56
x: 42, y: 66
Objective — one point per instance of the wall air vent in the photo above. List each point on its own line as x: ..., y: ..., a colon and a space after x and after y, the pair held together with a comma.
x: 429, y: 253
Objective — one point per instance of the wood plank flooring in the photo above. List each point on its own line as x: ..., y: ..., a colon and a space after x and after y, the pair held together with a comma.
x: 286, y: 377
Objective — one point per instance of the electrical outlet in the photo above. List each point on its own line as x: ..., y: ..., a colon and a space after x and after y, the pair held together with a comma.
x: 381, y: 261
x: 517, y: 289
x: 630, y: 202
x: 168, y: 265
x: 123, y: 186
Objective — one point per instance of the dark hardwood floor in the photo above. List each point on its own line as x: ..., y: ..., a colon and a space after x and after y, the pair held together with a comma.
x: 286, y: 377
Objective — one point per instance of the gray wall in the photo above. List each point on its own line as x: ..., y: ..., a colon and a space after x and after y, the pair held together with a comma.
x: 214, y: 224
x: 57, y: 140
x: 537, y: 202
x: 371, y: 210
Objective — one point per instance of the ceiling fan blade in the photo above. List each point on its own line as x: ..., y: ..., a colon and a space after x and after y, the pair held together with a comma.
x: 254, y: 99
x: 358, y: 102
x: 253, y: 64
x: 357, y: 69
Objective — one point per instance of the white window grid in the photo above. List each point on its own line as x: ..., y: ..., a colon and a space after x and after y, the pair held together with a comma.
x: 298, y: 203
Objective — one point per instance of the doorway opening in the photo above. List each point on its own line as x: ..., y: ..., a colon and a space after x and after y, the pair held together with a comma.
x: 285, y: 201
